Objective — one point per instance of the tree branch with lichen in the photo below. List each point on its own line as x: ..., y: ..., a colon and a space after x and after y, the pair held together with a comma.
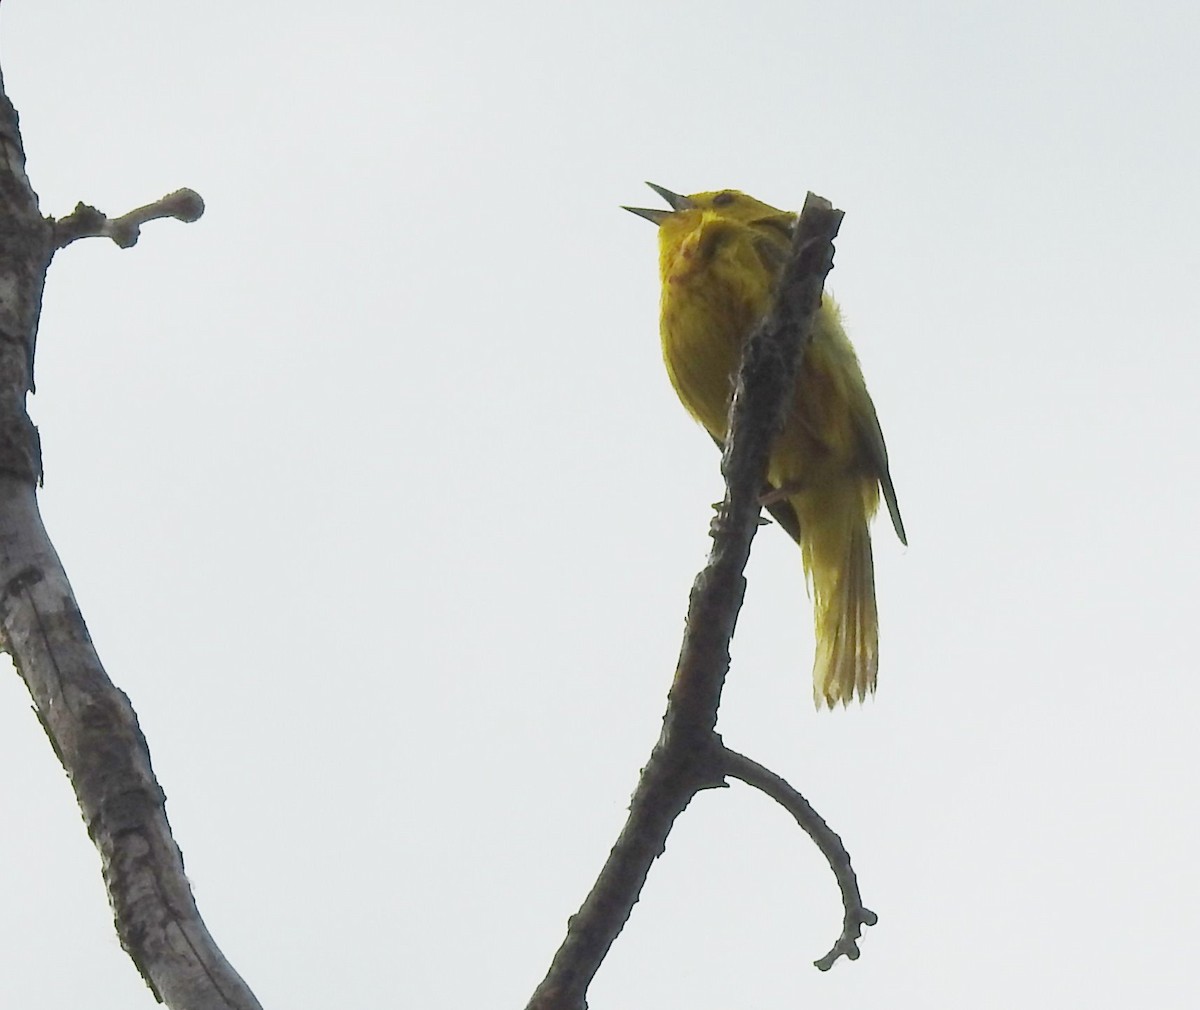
x: 90, y: 723
x: 690, y: 755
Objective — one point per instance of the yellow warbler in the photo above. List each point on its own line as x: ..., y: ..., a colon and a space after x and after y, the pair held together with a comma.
x: 720, y: 255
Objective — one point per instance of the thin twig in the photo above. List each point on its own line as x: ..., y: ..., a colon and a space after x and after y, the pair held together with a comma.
x: 87, y: 222
x: 856, y: 915
x: 688, y: 756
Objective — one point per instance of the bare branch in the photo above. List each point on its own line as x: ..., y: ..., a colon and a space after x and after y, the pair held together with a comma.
x: 89, y: 722
x: 87, y: 222
x: 739, y: 766
x: 94, y: 731
x: 689, y: 754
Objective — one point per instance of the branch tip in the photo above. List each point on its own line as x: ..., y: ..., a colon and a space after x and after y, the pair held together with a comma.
x: 86, y: 221
x: 855, y: 913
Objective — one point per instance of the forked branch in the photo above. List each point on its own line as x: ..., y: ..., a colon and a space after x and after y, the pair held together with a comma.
x: 689, y: 755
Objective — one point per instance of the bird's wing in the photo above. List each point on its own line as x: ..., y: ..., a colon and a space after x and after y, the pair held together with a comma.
x: 872, y: 441
x: 783, y: 513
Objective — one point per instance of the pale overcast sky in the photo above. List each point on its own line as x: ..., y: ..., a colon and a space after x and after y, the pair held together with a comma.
x: 380, y: 508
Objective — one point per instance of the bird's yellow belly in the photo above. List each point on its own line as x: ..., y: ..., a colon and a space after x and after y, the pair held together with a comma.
x: 703, y: 331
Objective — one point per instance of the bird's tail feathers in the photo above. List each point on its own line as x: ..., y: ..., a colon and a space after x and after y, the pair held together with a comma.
x: 841, y: 574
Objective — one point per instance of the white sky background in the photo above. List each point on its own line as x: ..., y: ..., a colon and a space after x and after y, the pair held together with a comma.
x: 380, y: 507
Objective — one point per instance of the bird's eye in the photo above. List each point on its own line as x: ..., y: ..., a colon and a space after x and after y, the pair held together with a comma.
x: 722, y: 199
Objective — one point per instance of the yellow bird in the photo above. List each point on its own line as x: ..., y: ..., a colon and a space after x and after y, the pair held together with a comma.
x: 720, y: 255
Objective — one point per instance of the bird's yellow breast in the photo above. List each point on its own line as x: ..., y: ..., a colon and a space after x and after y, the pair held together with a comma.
x: 717, y: 280
x: 713, y: 291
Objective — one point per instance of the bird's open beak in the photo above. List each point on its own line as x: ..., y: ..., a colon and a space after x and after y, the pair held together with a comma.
x: 676, y: 202
x: 657, y: 216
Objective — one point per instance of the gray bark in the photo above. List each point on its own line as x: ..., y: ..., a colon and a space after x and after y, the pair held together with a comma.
x: 89, y: 722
